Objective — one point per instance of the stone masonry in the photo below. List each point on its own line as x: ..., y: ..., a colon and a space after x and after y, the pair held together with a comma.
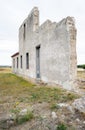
x: 47, y: 52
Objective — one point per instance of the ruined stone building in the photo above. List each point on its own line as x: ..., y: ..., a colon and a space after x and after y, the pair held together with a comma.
x: 47, y: 52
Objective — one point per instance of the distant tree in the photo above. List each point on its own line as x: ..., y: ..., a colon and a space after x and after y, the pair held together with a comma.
x: 81, y: 66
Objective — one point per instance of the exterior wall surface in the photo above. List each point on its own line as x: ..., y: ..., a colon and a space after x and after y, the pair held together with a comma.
x: 15, y: 64
x: 57, y: 50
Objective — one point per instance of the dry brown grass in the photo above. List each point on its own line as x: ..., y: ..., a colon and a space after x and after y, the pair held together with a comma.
x: 81, y: 74
x: 5, y: 70
x: 81, y: 80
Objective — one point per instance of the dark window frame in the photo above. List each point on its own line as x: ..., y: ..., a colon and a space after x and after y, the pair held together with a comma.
x: 17, y: 62
x: 21, y: 61
x: 24, y: 32
x: 27, y: 60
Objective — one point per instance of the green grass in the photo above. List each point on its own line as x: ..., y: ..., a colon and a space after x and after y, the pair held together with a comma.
x: 20, y: 119
x: 23, y: 91
x: 61, y: 127
x: 27, y: 117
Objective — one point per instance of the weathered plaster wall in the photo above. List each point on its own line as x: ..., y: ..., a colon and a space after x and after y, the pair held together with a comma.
x: 15, y: 68
x: 58, y: 52
x: 26, y: 45
x: 57, y: 49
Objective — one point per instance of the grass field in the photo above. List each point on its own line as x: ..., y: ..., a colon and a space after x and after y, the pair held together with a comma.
x: 14, y: 89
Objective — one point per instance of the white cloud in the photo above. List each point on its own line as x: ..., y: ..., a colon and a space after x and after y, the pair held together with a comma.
x: 7, y: 48
x: 7, y: 45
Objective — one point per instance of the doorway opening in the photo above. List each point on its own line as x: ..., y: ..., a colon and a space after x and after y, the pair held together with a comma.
x: 38, y: 61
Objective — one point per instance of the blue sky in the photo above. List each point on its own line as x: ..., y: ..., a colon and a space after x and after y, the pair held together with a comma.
x: 13, y: 12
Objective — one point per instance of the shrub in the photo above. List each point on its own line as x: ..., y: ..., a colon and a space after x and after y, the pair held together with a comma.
x: 71, y: 96
x: 61, y: 127
x: 19, y: 119
x: 54, y: 106
x: 27, y: 117
x: 81, y: 66
x: 16, y: 111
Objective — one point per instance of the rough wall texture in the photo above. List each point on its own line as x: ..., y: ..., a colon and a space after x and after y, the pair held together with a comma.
x: 57, y: 42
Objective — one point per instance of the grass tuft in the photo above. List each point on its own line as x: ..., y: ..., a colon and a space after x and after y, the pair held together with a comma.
x: 61, y: 127
x: 27, y: 117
